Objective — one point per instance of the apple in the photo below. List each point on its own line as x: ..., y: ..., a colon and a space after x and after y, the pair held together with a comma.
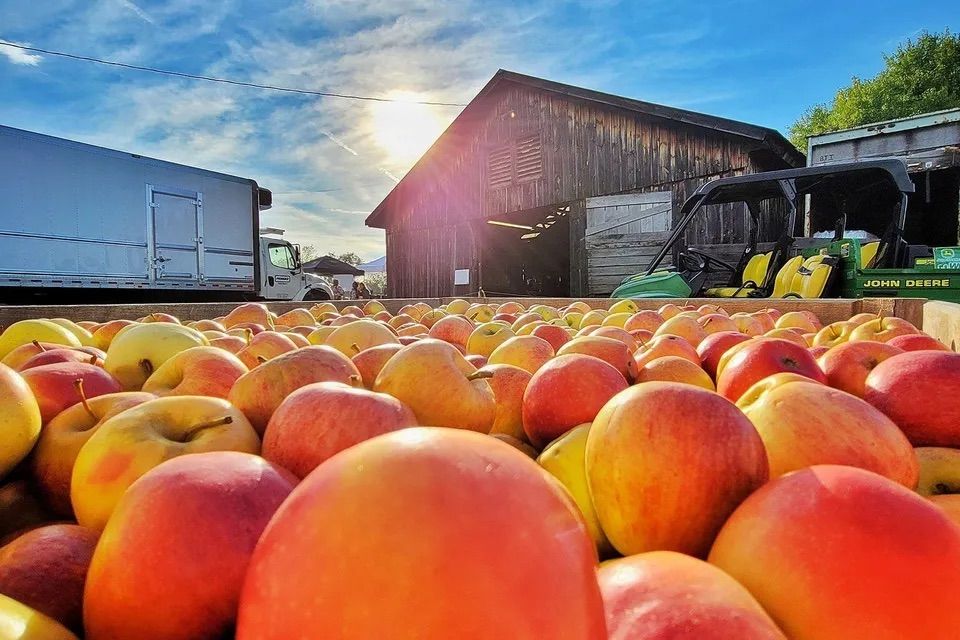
x: 231, y: 344
x: 804, y: 423
x: 452, y: 329
x: 758, y: 359
x: 565, y: 459
x: 557, y: 336
x: 62, y: 438
x: 480, y: 313
x: 320, y: 334
x: 920, y: 391
x: 208, y: 325
x: 54, y: 356
x: 805, y: 321
x: 568, y: 391
x: 833, y: 334
x: 838, y: 552
x: 616, y: 320
x: 664, y: 594
x: 748, y: 325
x: 246, y: 330
x: 46, y: 569
x: 430, y: 318
x: 298, y: 339
x: 675, y: 369
x: 265, y: 346
x: 648, y: 320
x: 55, y: 385
x: 716, y: 322
x: 882, y: 329
x: 939, y: 470
x: 134, y: 441
x: 459, y: 306
x: 160, y: 317
x: 617, y: 333
x: 476, y: 361
x: 20, y: 622
x: 412, y: 330
x: 949, y: 504
x: 487, y: 337
x: 258, y: 393
x: 248, y: 313
x: 323, y: 555
x: 509, y: 318
x: 198, y: 371
x: 138, y: 350
x: 182, y: 536
x: 669, y: 310
x: 527, y: 352
x: 610, y: 350
x: 666, y: 345
x: 593, y: 318
x: 20, y: 419
x: 21, y: 510
x: 370, y: 361
x: 321, y: 419
x: 106, y: 332
x: 637, y: 444
x: 848, y: 364
x: 714, y: 346
x: 439, y: 385
x: 509, y: 307
x: 528, y: 329
x: 28, y: 331
x: 790, y: 335
x: 297, y: 318
x: 508, y: 384
x: 683, y: 326
x: 525, y: 319
x: 917, y: 342
x: 351, y: 339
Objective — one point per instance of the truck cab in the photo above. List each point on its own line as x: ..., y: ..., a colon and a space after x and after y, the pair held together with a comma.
x: 281, y: 272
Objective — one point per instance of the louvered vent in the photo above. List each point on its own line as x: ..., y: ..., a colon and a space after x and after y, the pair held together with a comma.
x: 499, y: 168
x: 529, y: 159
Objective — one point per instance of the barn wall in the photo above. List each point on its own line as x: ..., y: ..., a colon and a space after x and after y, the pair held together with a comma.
x: 587, y: 149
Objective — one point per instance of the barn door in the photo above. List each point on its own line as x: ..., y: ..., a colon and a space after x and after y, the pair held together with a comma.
x: 623, y: 234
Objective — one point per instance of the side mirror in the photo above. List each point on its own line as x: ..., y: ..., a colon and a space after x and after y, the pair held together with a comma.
x: 296, y: 253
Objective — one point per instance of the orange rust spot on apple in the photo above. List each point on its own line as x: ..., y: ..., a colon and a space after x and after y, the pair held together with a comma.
x: 110, y: 468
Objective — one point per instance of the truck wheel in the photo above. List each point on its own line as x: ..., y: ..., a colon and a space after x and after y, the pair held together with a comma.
x: 317, y: 294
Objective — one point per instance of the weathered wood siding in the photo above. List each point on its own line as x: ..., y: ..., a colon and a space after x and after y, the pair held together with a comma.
x: 586, y: 149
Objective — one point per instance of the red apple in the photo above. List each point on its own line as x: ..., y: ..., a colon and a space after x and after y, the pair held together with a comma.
x: 182, y: 535
x: 667, y: 463
x: 374, y: 512
x: 198, y: 371
x: 508, y: 384
x: 917, y: 342
x: 610, y: 350
x: 848, y: 364
x: 714, y: 346
x: 568, y: 391
x: 836, y: 552
x: 46, y: 569
x: 664, y: 594
x: 555, y: 335
x: 264, y: 346
x: 321, y: 419
x: 920, y: 391
x: 452, y: 329
x: 761, y: 358
x: 55, y: 385
x: 370, y: 361
x: 90, y: 355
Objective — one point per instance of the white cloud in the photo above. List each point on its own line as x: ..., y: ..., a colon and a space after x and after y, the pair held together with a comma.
x: 19, y: 56
x: 139, y: 12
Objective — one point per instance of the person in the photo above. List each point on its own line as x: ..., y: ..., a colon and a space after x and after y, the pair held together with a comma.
x: 337, y: 290
x: 363, y: 292
x: 355, y: 291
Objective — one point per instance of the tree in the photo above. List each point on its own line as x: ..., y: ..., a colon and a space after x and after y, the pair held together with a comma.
x: 919, y: 77
x: 349, y: 258
x: 308, y: 252
x: 376, y: 283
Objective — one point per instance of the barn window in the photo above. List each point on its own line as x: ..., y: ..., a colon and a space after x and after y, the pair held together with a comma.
x: 519, y: 162
x: 529, y: 159
x: 500, y: 167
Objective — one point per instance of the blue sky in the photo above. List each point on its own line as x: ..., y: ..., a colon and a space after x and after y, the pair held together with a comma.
x: 330, y: 161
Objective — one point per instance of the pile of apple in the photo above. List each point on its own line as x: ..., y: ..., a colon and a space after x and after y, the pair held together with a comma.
x: 460, y: 473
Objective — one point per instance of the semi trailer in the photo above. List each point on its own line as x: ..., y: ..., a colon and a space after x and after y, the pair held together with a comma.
x: 85, y: 223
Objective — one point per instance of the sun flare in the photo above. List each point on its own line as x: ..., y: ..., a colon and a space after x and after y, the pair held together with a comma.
x: 405, y: 129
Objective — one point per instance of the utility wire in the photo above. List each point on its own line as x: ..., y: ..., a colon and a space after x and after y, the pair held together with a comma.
x: 239, y: 83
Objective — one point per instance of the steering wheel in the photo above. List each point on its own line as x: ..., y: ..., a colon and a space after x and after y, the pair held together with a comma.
x: 704, y: 261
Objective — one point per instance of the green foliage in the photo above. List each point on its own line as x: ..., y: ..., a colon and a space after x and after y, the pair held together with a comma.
x: 349, y: 258
x: 376, y: 283
x: 308, y: 252
x: 919, y: 77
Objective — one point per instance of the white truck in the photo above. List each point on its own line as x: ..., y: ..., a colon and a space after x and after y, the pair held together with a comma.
x: 85, y: 223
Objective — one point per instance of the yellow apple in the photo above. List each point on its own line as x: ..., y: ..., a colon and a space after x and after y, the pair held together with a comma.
x: 527, y: 352
x: 487, y: 337
x: 27, y: 331
x: 139, y: 350
x: 19, y: 419
x: 351, y: 339
x: 83, y: 335
x: 939, y: 470
x: 20, y: 622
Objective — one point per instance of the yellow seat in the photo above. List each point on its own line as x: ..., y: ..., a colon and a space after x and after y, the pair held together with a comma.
x: 811, y: 278
x: 867, y: 254
x: 753, y: 277
x: 781, y: 284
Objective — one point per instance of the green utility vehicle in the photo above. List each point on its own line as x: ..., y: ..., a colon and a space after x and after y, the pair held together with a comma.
x: 854, y: 244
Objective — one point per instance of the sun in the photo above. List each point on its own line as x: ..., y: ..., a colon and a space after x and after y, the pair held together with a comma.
x: 405, y: 129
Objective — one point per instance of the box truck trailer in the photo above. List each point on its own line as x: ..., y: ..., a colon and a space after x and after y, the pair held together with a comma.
x: 85, y: 223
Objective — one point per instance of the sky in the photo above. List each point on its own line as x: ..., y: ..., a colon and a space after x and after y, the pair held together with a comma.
x: 330, y: 161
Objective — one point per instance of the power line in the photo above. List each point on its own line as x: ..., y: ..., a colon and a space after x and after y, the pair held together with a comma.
x: 239, y: 83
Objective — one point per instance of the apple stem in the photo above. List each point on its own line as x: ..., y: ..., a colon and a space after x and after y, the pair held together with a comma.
x: 147, y: 367
x: 355, y: 347
x: 480, y: 374
x: 248, y: 333
x: 78, y: 385
x: 37, y: 344
x: 355, y: 380
x: 219, y: 422
x: 261, y: 359
x: 93, y: 359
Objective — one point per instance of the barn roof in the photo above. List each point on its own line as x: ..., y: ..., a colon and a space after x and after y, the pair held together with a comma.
x: 450, y: 139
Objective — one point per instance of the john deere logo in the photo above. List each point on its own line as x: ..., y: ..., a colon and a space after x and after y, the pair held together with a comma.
x: 911, y: 284
x: 947, y: 253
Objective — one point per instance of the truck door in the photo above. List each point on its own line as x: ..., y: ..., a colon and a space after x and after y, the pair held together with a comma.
x: 282, y: 271
x: 177, y: 230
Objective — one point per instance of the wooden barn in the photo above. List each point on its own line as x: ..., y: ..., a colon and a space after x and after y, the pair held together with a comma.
x: 542, y: 188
